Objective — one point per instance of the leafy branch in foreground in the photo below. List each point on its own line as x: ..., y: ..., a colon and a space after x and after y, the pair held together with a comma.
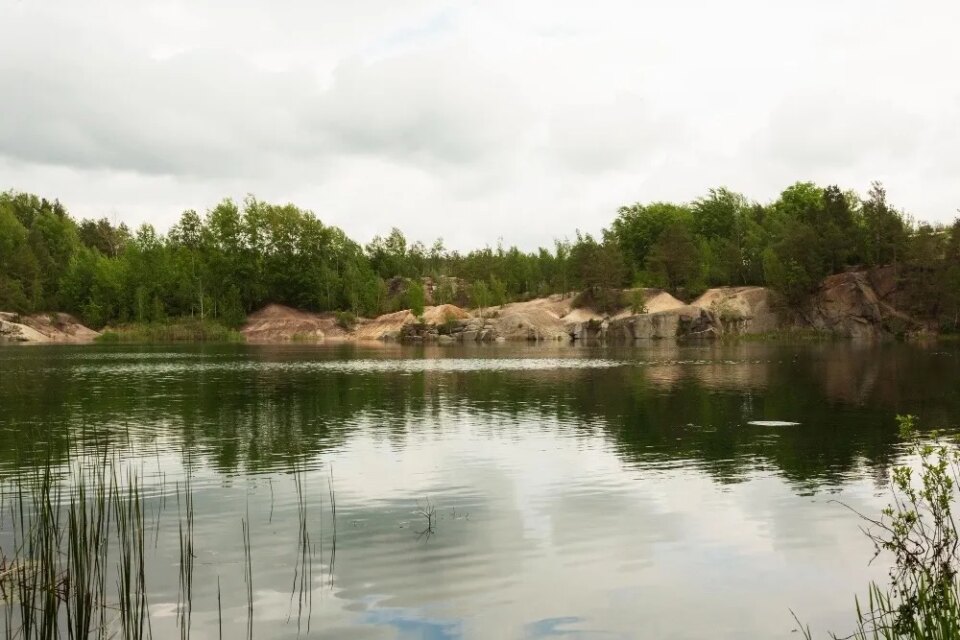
x: 918, y: 530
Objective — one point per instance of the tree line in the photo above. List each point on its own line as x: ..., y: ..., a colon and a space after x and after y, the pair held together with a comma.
x: 236, y: 257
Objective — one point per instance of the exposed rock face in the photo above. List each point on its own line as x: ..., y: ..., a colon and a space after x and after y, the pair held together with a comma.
x: 39, y: 328
x: 685, y: 322
x: 855, y: 304
x: 848, y: 305
x: 741, y: 310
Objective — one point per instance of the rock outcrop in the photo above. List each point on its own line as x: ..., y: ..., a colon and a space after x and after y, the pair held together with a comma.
x: 687, y: 321
x: 856, y: 304
x: 40, y: 328
x: 742, y: 310
x: 848, y: 305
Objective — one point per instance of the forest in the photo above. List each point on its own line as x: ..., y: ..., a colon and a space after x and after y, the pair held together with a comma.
x: 236, y: 257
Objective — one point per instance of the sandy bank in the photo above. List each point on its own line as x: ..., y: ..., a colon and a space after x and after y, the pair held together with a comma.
x: 44, y: 328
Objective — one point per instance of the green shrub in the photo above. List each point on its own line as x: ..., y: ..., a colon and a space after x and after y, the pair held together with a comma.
x: 450, y: 324
x: 346, y: 320
x: 601, y: 300
x: 918, y: 530
x: 180, y: 330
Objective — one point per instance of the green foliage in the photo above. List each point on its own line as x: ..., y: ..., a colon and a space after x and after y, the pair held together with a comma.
x: 480, y: 295
x: 238, y: 256
x: 675, y: 259
x: 449, y: 326
x: 346, y: 320
x: 638, y: 302
x: 601, y: 300
x: 416, y: 299
x: 918, y: 532
x: 444, y: 292
x: 182, y: 330
x: 498, y: 292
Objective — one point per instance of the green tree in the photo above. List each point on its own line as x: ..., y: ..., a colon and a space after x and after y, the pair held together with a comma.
x: 793, y: 265
x: 480, y: 295
x: 885, y: 232
x: 416, y: 298
x: 675, y: 259
x: 498, y: 292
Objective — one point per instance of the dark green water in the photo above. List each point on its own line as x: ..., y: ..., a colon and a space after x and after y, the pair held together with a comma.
x: 580, y: 493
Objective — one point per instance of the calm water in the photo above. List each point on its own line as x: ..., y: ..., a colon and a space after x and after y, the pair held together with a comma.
x: 579, y: 493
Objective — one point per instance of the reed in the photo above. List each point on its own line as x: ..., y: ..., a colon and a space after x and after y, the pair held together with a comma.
x: 75, y: 554
x: 303, y: 567
x: 185, y: 524
x: 248, y: 571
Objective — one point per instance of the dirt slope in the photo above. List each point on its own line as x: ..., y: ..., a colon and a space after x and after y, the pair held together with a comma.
x: 278, y: 323
x: 40, y: 328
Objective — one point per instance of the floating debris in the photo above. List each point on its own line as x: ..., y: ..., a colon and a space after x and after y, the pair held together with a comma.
x: 772, y: 423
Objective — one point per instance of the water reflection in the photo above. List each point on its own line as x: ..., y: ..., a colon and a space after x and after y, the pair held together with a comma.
x: 256, y: 408
x: 585, y: 492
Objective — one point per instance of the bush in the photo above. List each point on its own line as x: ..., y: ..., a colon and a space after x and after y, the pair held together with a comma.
x: 638, y: 302
x: 345, y: 320
x: 918, y: 530
x: 450, y: 325
x: 416, y: 298
x: 601, y: 300
x: 182, y: 330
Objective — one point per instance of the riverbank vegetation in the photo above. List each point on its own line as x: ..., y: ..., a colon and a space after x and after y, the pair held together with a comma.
x: 236, y: 257
x: 85, y: 552
x: 918, y: 533
x: 175, y: 330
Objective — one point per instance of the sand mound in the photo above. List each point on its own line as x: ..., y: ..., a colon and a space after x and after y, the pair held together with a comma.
x: 525, y: 321
x: 658, y: 300
x: 442, y: 313
x: 53, y: 327
x: 278, y: 323
x: 384, y: 327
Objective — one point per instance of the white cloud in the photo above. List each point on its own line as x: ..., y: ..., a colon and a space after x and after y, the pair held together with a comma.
x: 473, y: 120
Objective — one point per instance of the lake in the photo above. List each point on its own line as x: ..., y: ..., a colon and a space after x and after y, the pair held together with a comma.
x: 489, y: 492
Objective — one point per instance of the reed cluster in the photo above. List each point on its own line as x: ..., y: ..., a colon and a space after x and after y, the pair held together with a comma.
x: 75, y: 558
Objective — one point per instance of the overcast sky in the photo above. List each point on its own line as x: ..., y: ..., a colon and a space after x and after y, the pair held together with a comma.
x: 474, y: 120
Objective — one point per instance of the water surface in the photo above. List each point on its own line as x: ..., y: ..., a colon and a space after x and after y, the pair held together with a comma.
x: 579, y: 492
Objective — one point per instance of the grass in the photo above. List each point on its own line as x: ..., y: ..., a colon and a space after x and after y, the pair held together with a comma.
x: 179, y: 330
